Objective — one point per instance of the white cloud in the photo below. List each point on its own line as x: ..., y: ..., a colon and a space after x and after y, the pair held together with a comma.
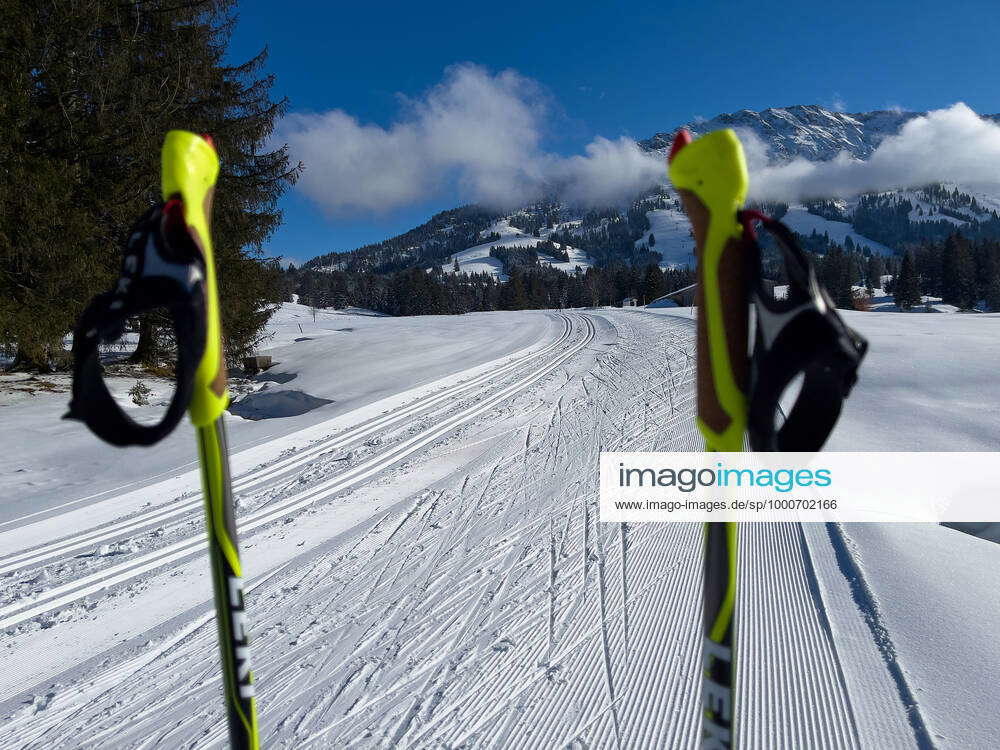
x: 482, y: 132
x: 609, y: 173
x: 946, y: 145
x: 476, y: 130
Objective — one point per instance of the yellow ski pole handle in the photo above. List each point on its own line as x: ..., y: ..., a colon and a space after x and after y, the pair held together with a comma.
x: 711, y: 176
x: 190, y: 167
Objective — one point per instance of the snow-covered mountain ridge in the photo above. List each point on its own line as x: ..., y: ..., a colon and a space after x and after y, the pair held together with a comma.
x: 811, y: 132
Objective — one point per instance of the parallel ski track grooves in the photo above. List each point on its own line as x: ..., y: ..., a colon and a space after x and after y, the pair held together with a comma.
x: 60, y: 596
x: 192, y: 505
x: 484, y: 717
x: 40, y: 725
x: 868, y: 606
x: 783, y: 640
x: 457, y: 595
x: 433, y: 629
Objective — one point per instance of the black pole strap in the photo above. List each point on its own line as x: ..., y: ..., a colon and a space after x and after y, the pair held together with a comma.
x: 162, y: 269
x: 801, y: 349
x: 801, y: 335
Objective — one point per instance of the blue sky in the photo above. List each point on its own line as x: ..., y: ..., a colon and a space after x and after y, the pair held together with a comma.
x: 608, y: 69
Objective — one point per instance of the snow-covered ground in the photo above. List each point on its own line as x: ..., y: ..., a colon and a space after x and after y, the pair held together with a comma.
x: 674, y: 241
x: 353, y: 358
x: 426, y: 569
x: 477, y: 259
x: 798, y: 219
x: 928, y: 383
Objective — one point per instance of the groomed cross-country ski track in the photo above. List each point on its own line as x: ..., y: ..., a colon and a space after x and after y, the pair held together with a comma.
x: 432, y: 573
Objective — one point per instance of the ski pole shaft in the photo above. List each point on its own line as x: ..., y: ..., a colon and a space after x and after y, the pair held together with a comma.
x: 710, y: 175
x: 227, y: 581
x: 190, y: 168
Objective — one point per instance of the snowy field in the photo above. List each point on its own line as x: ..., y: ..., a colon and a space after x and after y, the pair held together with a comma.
x: 352, y: 359
x: 928, y: 383
x: 477, y: 259
x: 674, y: 241
x: 426, y: 569
x: 798, y: 219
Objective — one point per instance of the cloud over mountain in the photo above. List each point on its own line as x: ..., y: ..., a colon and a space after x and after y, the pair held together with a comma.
x: 481, y: 133
x: 475, y: 130
x: 945, y: 145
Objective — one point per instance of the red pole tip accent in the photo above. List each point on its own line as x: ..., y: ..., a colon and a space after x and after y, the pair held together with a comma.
x: 208, y: 138
x: 682, y: 139
x: 173, y: 212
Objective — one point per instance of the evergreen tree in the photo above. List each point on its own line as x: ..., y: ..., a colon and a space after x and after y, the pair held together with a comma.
x: 92, y: 89
x: 990, y: 275
x: 907, y: 286
x: 653, y: 285
x: 927, y: 265
x: 513, y: 295
x: 50, y: 243
x: 958, y: 273
x: 835, y: 272
x: 874, y: 270
x: 993, y: 293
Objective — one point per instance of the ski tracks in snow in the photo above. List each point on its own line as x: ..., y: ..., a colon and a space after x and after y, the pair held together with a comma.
x: 492, y: 609
x: 182, y: 516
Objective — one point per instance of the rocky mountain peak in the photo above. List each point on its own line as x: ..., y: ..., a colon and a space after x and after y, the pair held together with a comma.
x: 810, y: 131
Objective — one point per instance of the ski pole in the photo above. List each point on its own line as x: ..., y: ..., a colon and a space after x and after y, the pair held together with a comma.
x: 169, y: 264
x: 190, y: 167
x: 711, y: 176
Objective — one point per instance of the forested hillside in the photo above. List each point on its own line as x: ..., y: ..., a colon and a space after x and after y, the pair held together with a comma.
x: 855, y: 241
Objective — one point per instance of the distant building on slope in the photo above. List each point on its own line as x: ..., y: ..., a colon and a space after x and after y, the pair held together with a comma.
x: 630, y: 302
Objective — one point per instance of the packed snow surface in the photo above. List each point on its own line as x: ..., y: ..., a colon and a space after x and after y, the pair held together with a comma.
x: 425, y: 566
x: 347, y: 357
x: 798, y: 219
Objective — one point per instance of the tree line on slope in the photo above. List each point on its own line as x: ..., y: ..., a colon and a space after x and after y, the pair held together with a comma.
x: 608, y: 236
x: 886, y: 217
x: 433, y: 242
x: 959, y: 271
x: 415, y: 291
x: 524, y: 257
x: 89, y: 90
